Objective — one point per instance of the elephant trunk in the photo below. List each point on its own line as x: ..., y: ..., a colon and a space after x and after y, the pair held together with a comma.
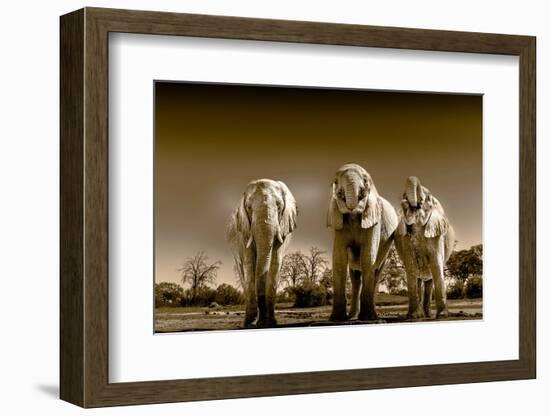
x: 263, y: 258
x: 351, y: 193
x: 411, y: 191
x: 265, y: 230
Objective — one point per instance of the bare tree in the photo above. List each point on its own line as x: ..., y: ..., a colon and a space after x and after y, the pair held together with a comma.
x: 291, y: 270
x: 198, y: 272
x: 298, y: 267
x: 313, y: 264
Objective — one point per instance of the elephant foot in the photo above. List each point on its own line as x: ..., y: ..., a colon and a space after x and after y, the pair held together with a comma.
x: 377, y: 321
x: 368, y: 316
x: 266, y: 323
x: 249, y: 320
x: 353, y: 311
x: 417, y: 314
x: 444, y: 313
x: 248, y: 324
x: 353, y: 315
x: 428, y: 313
x: 338, y: 317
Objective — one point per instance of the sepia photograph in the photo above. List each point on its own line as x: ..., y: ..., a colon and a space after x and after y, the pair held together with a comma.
x: 262, y: 206
x: 284, y: 207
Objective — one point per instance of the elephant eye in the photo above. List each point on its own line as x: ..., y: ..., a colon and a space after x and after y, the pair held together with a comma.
x: 341, y: 194
x: 362, y: 193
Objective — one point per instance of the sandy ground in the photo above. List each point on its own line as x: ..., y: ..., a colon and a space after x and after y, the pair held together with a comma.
x: 181, y: 319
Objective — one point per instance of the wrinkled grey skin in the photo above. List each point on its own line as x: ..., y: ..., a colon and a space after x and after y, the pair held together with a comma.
x: 259, y: 232
x: 424, y: 240
x: 364, y: 225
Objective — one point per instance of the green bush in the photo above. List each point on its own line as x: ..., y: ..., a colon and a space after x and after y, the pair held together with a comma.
x: 474, y: 287
x: 228, y: 295
x: 455, y: 290
x: 308, y: 295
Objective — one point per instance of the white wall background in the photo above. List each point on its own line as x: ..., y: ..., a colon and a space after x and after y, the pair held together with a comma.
x: 29, y: 206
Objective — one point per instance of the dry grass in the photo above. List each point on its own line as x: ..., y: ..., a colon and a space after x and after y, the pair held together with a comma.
x: 390, y: 309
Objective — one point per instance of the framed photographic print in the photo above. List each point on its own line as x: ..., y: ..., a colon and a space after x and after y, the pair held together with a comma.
x: 256, y: 207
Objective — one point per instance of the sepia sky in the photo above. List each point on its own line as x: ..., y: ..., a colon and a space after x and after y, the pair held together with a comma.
x: 211, y: 140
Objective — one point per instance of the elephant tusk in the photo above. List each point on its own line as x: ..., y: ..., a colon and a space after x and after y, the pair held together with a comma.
x: 249, y: 242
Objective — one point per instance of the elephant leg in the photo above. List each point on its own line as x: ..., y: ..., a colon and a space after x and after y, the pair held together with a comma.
x: 405, y: 250
x: 271, y: 290
x: 382, y: 255
x: 381, y: 259
x: 340, y: 268
x: 419, y: 290
x: 251, y: 312
x: 355, y: 288
x: 436, y: 266
x: 427, y: 300
x: 261, y: 295
x: 419, y: 313
x: 368, y: 290
x: 270, y: 301
x: 412, y: 292
x: 415, y: 309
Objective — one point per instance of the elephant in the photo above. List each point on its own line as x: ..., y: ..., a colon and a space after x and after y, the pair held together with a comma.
x: 259, y: 233
x: 424, y: 241
x: 364, y: 224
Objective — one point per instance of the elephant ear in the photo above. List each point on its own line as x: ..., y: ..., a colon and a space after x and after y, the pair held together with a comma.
x: 389, y: 220
x: 373, y: 210
x: 242, y: 221
x: 287, y: 222
x: 335, y: 219
x: 437, y: 223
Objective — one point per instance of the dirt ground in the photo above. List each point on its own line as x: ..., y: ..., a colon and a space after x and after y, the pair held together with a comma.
x: 391, y: 309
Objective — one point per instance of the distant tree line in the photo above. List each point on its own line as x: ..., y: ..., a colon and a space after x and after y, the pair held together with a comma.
x: 199, y: 274
x: 173, y: 294
x: 305, y: 280
x: 464, y: 273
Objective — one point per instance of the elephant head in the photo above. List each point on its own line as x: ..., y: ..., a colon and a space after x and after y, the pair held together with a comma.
x: 353, y: 192
x: 265, y: 218
x: 419, y: 206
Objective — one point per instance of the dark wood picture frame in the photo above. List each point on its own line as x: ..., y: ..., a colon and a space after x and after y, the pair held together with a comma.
x: 84, y: 207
